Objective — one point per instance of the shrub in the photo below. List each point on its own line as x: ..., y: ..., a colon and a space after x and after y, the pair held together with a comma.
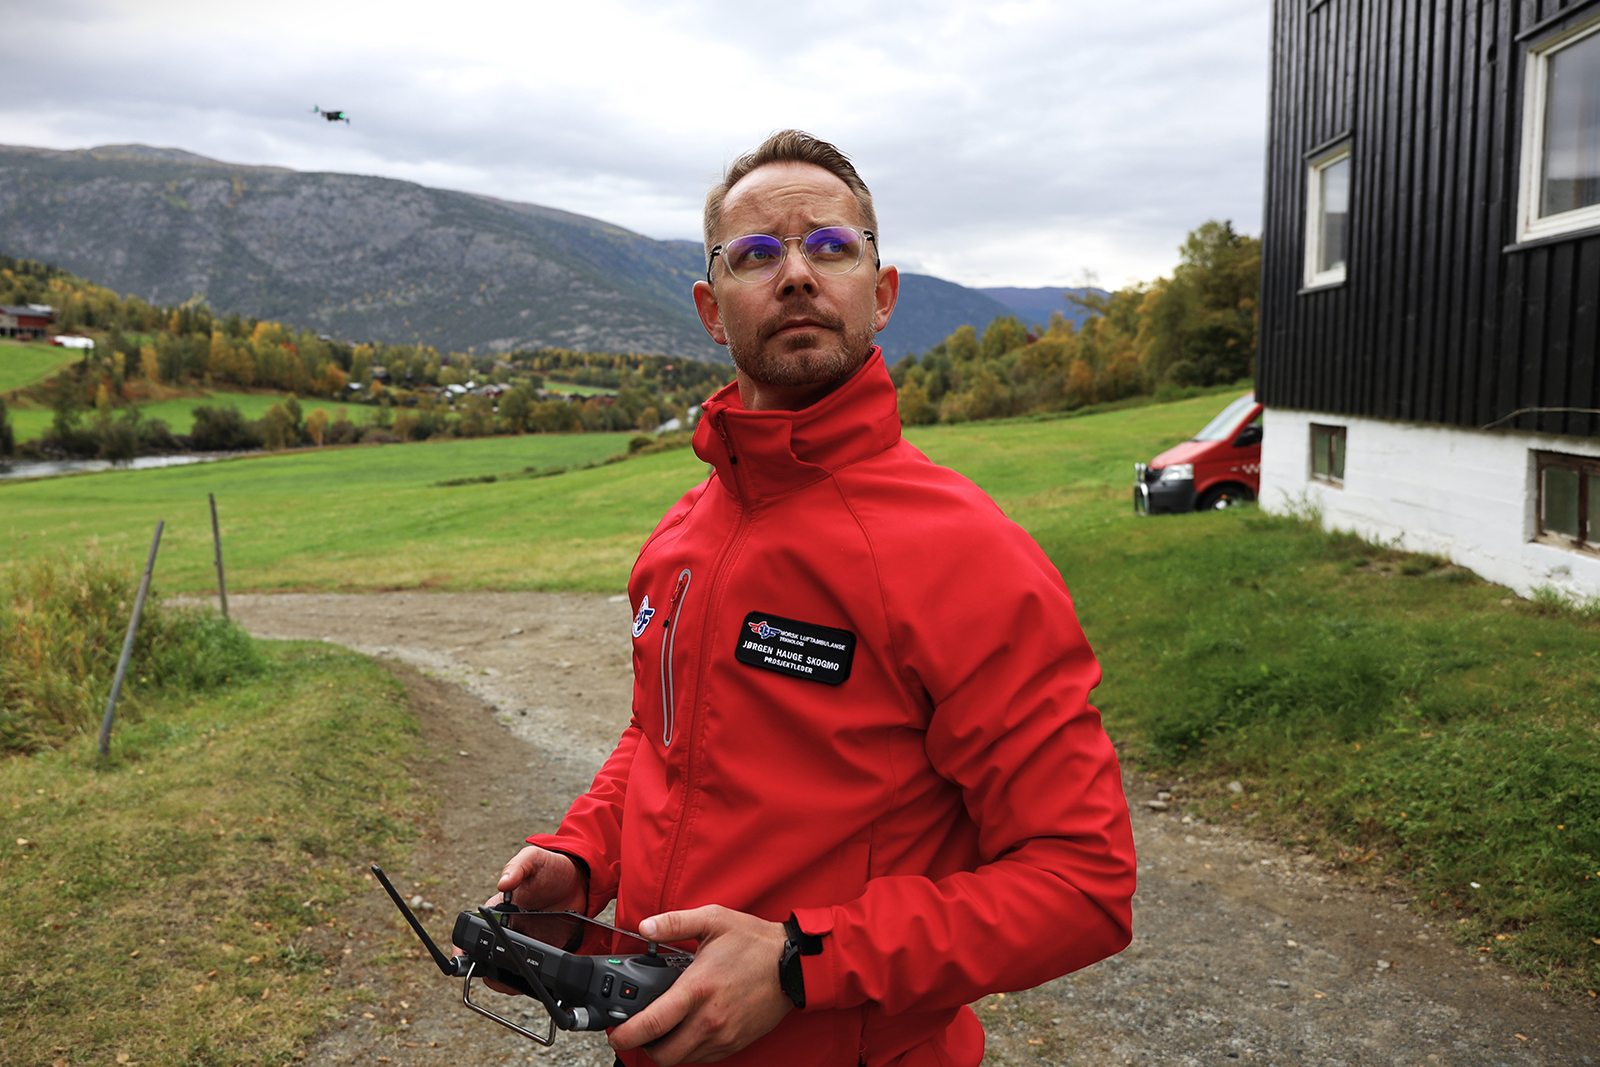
x: 62, y: 624
x: 222, y: 430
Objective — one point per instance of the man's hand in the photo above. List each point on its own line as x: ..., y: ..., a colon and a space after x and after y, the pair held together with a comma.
x: 727, y: 998
x: 539, y: 880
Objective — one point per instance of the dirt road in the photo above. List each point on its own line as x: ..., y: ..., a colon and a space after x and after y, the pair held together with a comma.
x: 1243, y: 952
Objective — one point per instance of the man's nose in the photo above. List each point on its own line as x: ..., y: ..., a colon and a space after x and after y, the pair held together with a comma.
x: 796, y: 273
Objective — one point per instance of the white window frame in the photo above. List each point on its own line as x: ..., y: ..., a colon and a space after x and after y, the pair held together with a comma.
x: 1530, y: 225
x: 1316, y: 279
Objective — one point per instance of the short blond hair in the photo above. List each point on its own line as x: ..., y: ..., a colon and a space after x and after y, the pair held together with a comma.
x: 787, y: 146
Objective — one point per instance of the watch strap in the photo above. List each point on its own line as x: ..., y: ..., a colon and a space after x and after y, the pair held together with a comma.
x: 791, y: 974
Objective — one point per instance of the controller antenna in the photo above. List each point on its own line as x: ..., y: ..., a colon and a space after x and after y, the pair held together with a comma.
x: 446, y: 965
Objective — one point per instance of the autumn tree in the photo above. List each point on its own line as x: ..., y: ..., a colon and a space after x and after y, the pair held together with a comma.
x: 316, y: 423
x: 1199, y: 326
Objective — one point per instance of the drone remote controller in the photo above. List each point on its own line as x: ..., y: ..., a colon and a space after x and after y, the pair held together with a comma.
x: 587, y: 974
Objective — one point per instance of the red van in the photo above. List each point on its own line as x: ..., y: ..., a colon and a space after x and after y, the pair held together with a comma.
x: 1218, y: 468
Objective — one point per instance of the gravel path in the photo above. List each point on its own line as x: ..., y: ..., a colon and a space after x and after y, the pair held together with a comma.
x: 1243, y: 952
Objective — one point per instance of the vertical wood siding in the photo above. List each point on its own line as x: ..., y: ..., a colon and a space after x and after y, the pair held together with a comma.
x: 1437, y: 321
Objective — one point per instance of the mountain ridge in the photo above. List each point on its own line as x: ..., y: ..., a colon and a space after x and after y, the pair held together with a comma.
x: 372, y: 258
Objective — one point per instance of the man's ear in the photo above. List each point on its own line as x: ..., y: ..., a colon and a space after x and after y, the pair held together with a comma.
x: 705, y: 302
x: 888, y: 292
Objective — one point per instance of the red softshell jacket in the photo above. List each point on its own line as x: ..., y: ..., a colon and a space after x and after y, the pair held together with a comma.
x: 949, y: 815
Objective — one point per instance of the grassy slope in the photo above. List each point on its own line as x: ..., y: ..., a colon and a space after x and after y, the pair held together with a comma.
x: 23, y: 364
x: 177, y: 906
x: 178, y: 414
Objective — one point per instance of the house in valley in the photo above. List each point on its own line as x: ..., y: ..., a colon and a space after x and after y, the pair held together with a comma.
x: 1430, y: 299
x: 26, y: 321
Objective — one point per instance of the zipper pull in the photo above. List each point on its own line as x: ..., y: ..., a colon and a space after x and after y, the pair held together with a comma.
x: 733, y: 460
x: 683, y: 580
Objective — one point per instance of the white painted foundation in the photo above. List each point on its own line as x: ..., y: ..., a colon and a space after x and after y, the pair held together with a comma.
x: 1467, y: 495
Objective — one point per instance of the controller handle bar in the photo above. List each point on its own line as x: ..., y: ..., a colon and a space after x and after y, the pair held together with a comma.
x: 561, y: 1016
x: 446, y: 964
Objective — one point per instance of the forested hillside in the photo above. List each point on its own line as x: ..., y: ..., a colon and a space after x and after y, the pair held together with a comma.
x: 146, y: 352
x: 1196, y: 328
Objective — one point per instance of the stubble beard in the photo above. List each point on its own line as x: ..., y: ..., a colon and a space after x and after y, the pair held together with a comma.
x: 799, y: 360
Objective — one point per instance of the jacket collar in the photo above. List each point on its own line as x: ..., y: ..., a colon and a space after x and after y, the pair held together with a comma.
x: 759, y: 454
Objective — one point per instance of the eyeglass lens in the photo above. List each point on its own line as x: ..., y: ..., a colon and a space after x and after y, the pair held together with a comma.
x: 829, y: 250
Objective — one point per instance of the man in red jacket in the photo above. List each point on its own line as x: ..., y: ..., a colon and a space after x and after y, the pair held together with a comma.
x: 862, y: 772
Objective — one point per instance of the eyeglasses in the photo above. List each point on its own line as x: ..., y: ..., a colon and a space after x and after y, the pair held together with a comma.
x: 757, y: 257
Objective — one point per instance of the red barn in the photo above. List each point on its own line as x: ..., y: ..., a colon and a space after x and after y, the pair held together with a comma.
x: 26, y: 320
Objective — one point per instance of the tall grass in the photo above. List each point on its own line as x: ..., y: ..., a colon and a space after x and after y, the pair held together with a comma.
x: 62, y: 624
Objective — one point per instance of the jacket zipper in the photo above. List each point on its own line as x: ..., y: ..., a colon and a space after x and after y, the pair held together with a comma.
x: 719, y: 577
x: 669, y: 627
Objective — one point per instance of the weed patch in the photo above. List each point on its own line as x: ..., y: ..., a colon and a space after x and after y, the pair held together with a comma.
x: 62, y: 625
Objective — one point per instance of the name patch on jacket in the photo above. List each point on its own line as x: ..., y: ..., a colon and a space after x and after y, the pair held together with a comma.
x: 798, y: 649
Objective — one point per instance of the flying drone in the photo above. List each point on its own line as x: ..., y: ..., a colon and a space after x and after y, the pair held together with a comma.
x: 331, y: 116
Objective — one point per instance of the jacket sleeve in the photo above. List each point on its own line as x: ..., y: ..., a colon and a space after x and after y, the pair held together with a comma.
x: 992, y: 643
x: 592, y: 829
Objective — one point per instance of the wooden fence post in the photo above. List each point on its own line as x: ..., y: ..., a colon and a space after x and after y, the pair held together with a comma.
x: 216, y: 539
x: 127, y: 643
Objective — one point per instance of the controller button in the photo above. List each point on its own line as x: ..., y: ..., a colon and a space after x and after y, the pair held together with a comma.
x: 629, y: 990
x: 605, y: 986
x: 617, y: 1013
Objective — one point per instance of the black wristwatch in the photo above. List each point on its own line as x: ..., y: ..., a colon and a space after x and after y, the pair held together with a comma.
x: 791, y: 979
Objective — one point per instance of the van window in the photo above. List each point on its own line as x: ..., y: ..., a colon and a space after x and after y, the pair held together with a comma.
x: 1224, y: 424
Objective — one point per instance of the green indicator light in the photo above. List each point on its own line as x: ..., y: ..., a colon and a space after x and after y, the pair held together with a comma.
x: 613, y: 960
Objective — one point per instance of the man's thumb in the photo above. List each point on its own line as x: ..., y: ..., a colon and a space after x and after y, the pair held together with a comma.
x: 669, y: 926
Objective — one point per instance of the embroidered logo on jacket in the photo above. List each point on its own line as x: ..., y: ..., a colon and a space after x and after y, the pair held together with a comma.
x: 641, y: 620
x: 797, y: 649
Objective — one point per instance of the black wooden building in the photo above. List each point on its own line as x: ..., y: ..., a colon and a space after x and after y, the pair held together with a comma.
x: 1431, y: 274
x: 1447, y: 312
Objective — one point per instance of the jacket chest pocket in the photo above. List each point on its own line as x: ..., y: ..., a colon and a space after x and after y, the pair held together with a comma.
x: 670, y: 655
x: 664, y: 654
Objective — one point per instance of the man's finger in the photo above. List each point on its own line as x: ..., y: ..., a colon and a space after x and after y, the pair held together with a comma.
x: 517, y: 869
x: 658, y: 1019
x: 696, y: 924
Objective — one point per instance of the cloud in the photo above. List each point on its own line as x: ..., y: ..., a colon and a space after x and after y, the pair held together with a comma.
x: 1007, y: 144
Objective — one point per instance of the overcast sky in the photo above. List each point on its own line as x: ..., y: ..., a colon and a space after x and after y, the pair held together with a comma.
x: 1005, y: 143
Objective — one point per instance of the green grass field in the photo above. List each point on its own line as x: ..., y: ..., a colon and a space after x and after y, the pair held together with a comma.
x: 177, y: 905
x: 366, y: 517
x: 21, y: 365
x: 1396, y: 714
x: 30, y: 422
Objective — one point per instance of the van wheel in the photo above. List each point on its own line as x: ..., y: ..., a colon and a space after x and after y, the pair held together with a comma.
x: 1223, y: 496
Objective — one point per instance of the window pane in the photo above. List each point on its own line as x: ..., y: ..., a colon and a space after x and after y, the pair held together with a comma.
x: 1335, y: 178
x: 1572, y: 128
x: 1561, y: 501
x: 1319, y: 452
x: 1336, y: 466
x: 1592, y: 531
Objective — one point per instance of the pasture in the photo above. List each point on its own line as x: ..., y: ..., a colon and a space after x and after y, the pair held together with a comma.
x: 24, y: 364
